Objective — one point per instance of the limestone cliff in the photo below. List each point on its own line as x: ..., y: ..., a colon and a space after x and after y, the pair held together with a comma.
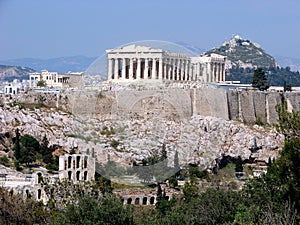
x: 132, y: 125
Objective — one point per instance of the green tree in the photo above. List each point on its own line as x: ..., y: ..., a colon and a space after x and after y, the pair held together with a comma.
x: 259, y: 80
x: 30, y: 147
x: 287, y: 87
x: 41, y: 83
x: 239, y: 165
x: 190, y: 191
x: 288, y: 122
x: 90, y: 211
x: 17, y: 146
x: 163, y: 205
x: 14, y: 210
x: 267, y: 196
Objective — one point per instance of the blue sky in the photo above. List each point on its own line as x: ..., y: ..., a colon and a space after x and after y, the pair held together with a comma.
x: 54, y: 28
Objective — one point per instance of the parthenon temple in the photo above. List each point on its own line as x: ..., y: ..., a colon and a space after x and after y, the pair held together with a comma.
x: 140, y: 63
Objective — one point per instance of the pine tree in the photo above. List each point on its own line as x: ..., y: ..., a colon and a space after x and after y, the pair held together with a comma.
x: 259, y: 80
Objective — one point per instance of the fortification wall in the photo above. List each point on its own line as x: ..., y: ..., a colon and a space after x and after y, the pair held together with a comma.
x: 248, y: 107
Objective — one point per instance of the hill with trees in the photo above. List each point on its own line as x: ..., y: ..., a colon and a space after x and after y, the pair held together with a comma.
x: 244, y: 57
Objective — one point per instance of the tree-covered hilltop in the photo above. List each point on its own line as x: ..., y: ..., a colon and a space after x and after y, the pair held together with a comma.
x: 245, y: 56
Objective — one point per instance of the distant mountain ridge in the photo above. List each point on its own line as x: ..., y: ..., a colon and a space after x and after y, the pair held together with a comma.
x: 61, y: 64
x: 293, y: 63
x: 9, y: 73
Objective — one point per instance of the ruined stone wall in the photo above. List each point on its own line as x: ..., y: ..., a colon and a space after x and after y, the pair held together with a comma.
x: 248, y: 107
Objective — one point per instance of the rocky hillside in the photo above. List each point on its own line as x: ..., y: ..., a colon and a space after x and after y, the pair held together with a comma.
x: 244, y: 54
x: 199, y: 140
x: 9, y: 73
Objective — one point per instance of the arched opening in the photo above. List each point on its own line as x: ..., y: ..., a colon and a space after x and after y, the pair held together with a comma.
x: 152, y: 200
x: 167, y: 198
x: 137, y: 201
x: 85, y: 162
x: 129, y: 200
x: 69, y: 162
x: 69, y: 175
x: 77, y: 161
x: 85, y: 175
x: 122, y: 200
x: 78, y: 175
x: 40, y: 178
x: 39, y: 194
x: 145, y: 201
x: 27, y: 194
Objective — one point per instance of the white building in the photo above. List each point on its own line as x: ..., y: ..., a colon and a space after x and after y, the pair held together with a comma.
x: 15, y: 87
x: 54, y: 79
x: 141, y: 63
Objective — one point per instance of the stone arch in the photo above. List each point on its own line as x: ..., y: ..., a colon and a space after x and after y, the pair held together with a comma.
x: 137, y: 201
x: 145, y: 200
x: 69, y: 162
x: 85, y: 162
x: 69, y: 175
x: 129, y: 201
x: 39, y: 194
x: 85, y: 174
x: 78, y: 175
x: 152, y: 200
x: 77, y: 161
x: 40, y: 177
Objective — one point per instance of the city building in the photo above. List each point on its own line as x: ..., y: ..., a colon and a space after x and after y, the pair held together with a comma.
x: 15, y: 87
x: 54, y: 79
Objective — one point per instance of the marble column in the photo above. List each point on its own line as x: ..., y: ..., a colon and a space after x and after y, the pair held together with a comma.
x: 165, y: 74
x: 187, y: 70
x: 208, y: 71
x: 160, y: 69
x: 191, y: 71
x: 138, y: 69
x: 172, y: 69
x: 110, y: 69
x: 131, y: 69
x: 174, y: 75
x: 146, y: 68
x: 178, y: 69
x: 223, y: 73
x: 219, y: 72
x: 124, y: 68
x: 154, y: 69
x: 116, y: 72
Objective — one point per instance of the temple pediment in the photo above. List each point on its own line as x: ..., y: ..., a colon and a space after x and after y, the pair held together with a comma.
x: 134, y: 48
